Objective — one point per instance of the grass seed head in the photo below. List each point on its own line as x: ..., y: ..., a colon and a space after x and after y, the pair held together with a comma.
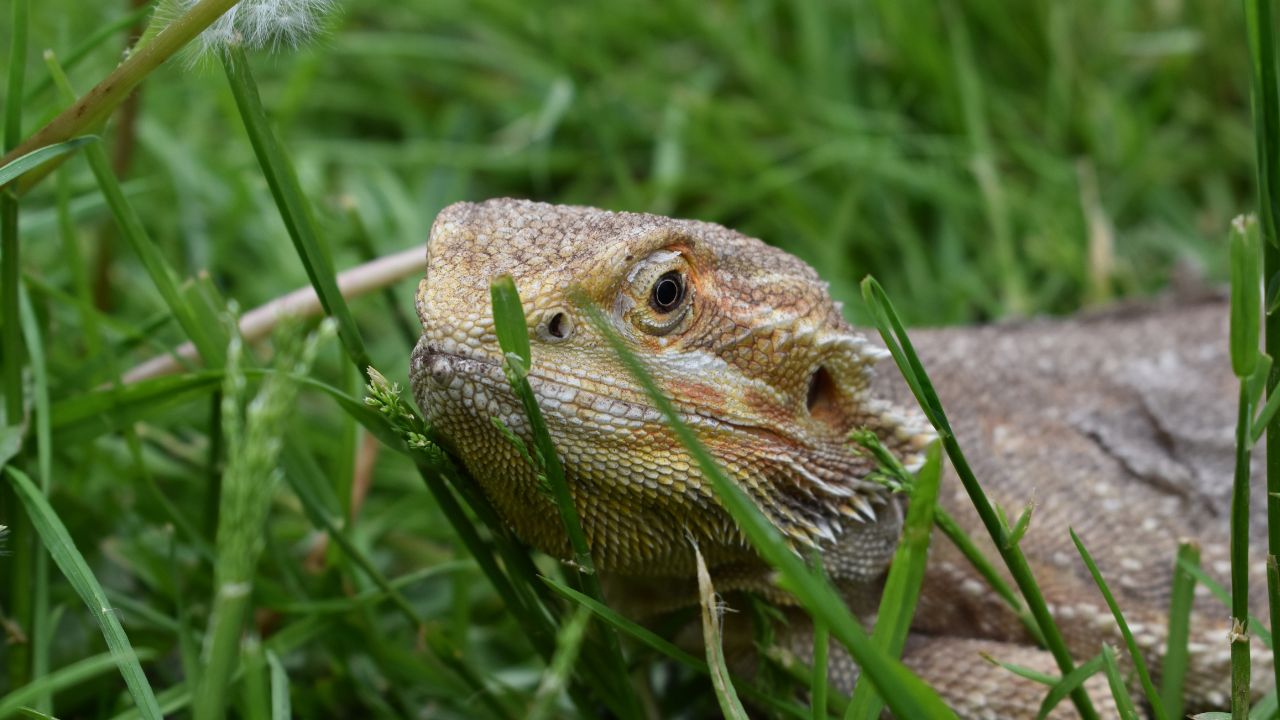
x: 265, y: 24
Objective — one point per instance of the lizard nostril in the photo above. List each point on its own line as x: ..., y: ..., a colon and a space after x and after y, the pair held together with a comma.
x: 822, y: 401
x: 556, y: 327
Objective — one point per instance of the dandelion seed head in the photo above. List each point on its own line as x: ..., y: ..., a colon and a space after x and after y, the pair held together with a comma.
x: 266, y: 24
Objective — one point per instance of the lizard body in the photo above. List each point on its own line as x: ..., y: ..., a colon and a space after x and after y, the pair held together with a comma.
x: 1119, y: 427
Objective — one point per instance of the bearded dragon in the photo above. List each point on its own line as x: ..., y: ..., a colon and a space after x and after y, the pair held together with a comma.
x: 1119, y: 426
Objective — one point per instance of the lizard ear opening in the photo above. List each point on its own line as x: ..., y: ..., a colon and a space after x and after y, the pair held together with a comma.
x: 822, y: 401
x: 555, y: 327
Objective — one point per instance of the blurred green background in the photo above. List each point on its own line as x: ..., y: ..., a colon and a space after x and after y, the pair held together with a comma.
x: 966, y: 153
x: 982, y: 158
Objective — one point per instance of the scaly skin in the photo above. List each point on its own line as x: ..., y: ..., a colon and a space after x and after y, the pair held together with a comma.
x: 1118, y: 427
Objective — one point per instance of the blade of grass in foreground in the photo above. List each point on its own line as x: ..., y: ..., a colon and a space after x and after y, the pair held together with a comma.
x: 296, y: 214
x: 906, y: 695
x: 57, y: 540
x: 900, y: 478
x: 17, y: 574
x: 1124, y: 703
x: 713, y: 643
x: 655, y: 642
x: 10, y: 333
x: 1260, y: 29
x: 513, y: 337
x: 40, y: 637
x: 280, y: 706
x: 254, y: 444
x: 906, y: 575
x: 1135, y: 654
x: 904, y: 355
x: 61, y: 679
x: 39, y: 156
x: 558, y: 671
x: 135, y: 233
x: 292, y: 203
x: 1223, y: 595
x: 1246, y: 307
x: 1067, y: 685
x: 1174, y: 670
x: 818, y: 680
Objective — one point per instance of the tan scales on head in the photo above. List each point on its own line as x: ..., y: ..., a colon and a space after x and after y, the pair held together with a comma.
x: 743, y: 337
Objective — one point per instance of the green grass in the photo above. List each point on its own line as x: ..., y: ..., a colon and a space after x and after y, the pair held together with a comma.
x: 981, y: 159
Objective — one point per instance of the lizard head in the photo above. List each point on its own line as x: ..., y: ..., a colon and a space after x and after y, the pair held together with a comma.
x: 743, y: 337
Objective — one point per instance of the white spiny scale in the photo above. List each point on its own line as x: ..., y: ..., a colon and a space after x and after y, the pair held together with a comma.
x: 864, y: 507
x: 818, y: 483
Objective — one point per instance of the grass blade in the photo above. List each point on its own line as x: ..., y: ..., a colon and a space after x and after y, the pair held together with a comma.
x: 1260, y: 423
x: 1069, y: 683
x: 818, y: 681
x: 1246, y: 296
x: 1222, y: 595
x: 713, y: 642
x: 1239, y: 635
x: 1024, y: 672
x: 1260, y: 29
x: 1124, y: 703
x: 255, y: 693
x: 1174, y: 670
x: 1135, y: 654
x: 40, y: 617
x: 62, y: 679
x: 652, y: 640
x: 289, y: 198
x: 19, y: 572
x: 556, y: 677
x: 90, y: 43
x: 254, y: 444
x: 906, y: 575
x: 135, y: 233
x: 904, y: 355
x: 906, y: 694
x: 513, y: 338
x: 83, y: 417
x: 39, y: 156
x: 58, y: 542
x: 280, y: 707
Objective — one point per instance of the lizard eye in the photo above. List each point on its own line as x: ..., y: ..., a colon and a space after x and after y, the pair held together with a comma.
x: 667, y: 292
